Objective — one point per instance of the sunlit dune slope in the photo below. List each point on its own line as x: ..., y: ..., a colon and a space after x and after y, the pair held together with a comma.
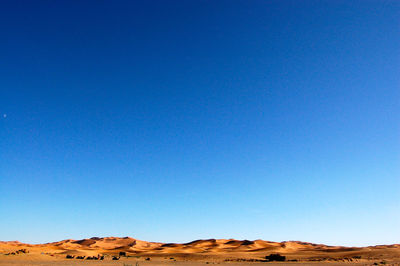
x: 207, y: 247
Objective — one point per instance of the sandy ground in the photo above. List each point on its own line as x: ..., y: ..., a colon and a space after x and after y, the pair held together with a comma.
x: 37, y: 261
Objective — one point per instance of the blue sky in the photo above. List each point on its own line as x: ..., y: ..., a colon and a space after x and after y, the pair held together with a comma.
x: 177, y: 120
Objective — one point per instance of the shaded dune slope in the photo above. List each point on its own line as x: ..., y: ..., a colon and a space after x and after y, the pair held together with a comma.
x: 205, y: 247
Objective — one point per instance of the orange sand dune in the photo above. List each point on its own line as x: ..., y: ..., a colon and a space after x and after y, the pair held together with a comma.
x: 209, y: 249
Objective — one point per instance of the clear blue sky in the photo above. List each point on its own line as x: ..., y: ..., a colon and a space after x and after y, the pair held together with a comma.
x: 178, y: 120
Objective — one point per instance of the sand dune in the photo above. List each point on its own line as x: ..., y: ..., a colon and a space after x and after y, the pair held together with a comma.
x: 202, y: 250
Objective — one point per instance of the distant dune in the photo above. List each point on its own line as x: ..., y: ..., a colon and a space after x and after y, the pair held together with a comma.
x: 201, y: 250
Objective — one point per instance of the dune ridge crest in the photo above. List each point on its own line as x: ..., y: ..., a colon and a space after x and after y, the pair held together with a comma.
x: 201, y: 250
x: 129, y: 244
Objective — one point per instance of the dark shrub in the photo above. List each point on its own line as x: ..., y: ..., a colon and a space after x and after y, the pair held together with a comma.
x: 275, y: 257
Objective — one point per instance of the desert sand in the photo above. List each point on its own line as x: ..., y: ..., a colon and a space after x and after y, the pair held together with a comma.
x: 130, y: 251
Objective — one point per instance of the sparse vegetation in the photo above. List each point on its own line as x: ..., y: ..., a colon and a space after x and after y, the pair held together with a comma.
x: 20, y: 251
x: 275, y: 257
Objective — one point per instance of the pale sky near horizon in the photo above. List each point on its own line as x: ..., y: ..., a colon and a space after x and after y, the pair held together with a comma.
x: 177, y: 120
